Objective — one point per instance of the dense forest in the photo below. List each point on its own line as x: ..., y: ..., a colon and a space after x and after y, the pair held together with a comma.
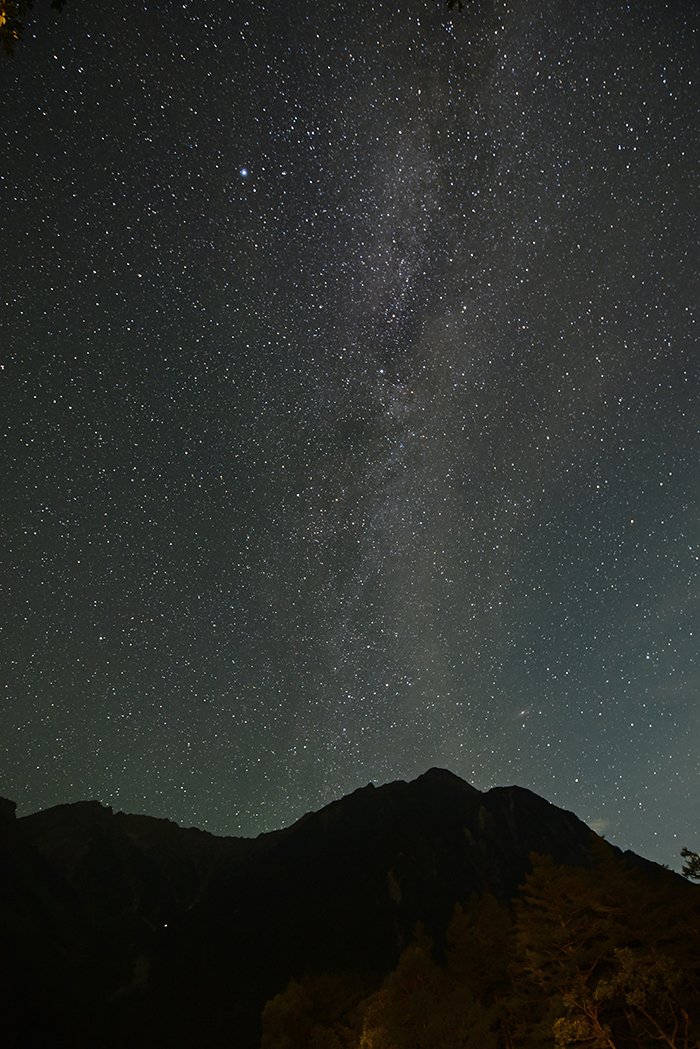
x: 603, y: 957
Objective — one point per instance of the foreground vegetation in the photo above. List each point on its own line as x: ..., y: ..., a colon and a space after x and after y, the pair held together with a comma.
x: 605, y: 958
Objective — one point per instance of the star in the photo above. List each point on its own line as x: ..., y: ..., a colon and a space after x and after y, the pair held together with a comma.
x: 386, y: 462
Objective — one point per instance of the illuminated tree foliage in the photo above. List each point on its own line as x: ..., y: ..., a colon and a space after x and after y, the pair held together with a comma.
x: 605, y: 958
x: 423, y: 1005
x: 12, y: 14
x: 616, y: 957
x: 11, y: 25
x: 322, y: 1011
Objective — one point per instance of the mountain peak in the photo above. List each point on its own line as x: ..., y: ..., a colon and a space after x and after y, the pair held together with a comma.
x: 342, y: 888
x: 443, y: 779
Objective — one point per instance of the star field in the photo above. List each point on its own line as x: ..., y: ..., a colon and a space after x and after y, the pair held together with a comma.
x: 350, y: 377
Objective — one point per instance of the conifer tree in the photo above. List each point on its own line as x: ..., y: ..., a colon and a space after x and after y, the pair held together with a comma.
x: 422, y: 1005
x: 480, y: 943
x: 615, y: 956
x: 691, y: 869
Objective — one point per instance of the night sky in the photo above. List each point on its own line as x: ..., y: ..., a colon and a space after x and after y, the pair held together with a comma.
x: 351, y: 407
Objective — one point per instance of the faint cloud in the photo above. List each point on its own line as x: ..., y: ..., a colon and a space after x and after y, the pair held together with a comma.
x: 601, y: 826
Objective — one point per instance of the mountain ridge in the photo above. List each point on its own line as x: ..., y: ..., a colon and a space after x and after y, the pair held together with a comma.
x: 123, y: 906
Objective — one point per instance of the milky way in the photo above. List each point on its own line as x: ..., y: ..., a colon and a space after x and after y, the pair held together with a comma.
x: 350, y: 382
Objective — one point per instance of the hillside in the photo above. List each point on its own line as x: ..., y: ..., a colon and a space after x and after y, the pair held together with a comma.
x: 131, y: 929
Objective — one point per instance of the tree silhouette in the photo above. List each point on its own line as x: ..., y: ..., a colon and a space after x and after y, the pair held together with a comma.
x: 691, y: 869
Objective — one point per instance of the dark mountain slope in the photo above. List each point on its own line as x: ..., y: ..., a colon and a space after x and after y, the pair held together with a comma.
x: 45, y: 933
x: 344, y: 887
x: 220, y: 924
x: 125, y: 864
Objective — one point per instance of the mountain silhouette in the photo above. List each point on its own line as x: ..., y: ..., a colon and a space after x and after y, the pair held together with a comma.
x: 129, y: 929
